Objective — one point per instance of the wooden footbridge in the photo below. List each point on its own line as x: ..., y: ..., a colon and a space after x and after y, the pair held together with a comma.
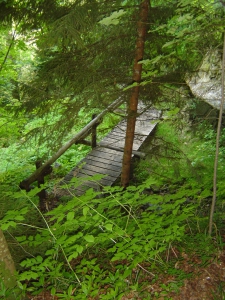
x: 105, y: 158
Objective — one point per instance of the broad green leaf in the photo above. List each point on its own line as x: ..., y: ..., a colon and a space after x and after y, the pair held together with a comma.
x: 19, y: 218
x: 34, y: 191
x: 89, y: 238
x: 119, y: 231
x: 70, y: 216
x: 79, y: 249
x: 70, y: 240
x: 119, y: 256
x: 21, y: 238
x: 28, y: 275
x: 39, y: 259
x: 61, y: 239
x: 74, y: 255
x: 7, y: 225
x: 53, y: 291
x: 85, y: 210
x: 49, y: 252
x: 109, y: 227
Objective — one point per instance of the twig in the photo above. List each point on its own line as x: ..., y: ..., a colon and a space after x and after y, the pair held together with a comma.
x: 146, y: 270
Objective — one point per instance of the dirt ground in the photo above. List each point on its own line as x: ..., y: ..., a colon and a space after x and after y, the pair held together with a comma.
x: 205, y: 283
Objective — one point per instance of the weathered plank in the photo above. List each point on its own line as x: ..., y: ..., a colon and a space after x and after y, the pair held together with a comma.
x: 91, y: 170
x: 109, y: 154
x: 99, y: 157
x: 99, y: 163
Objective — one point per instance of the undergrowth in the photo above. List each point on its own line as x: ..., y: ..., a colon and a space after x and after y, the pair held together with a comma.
x: 92, y: 244
x: 102, y: 245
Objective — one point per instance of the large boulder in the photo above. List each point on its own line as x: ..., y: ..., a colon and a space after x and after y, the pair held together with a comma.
x: 206, y: 83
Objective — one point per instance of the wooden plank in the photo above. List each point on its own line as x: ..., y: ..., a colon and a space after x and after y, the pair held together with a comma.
x: 98, y: 163
x: 104, y: 181
x: 117, y: 133
x: 91, y: 173
x: 121, y: 128
x: 87, y: 177
x: 134, y: 152
x: 114, y: 160
x: 108, y: 154
x: 114, y: 142
x: 105, y: 160
x: 114, y: 138
x: 143, y: 131
x: 99, y: 170
x: 145, y: 123
x: 120, y: 143
x: 143, y: 127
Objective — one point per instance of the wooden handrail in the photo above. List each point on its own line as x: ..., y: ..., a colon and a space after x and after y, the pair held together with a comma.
x: 25, y: 184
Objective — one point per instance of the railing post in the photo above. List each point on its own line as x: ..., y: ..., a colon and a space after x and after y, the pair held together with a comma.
x: 94, y: 133
x: 42, y: 194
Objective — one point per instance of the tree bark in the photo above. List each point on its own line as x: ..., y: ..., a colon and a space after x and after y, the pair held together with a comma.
x: 7, y: 267
x: 133, y: 103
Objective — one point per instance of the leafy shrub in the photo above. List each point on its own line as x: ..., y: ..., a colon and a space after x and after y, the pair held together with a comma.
x: 92, y: 244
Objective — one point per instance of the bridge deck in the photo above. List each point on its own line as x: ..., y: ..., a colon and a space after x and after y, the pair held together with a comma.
x: 105, y: 161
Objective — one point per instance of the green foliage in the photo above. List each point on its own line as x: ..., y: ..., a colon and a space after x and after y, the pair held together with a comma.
x: 88, y: 239
x: 183, y: 37
x: 92, y: 245
x: 113, y: 19
x: 6, y: 292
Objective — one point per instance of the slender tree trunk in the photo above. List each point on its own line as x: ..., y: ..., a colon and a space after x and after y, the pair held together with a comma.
x: 133, y: 103
x: 217, y: 142
x: 7, y: 267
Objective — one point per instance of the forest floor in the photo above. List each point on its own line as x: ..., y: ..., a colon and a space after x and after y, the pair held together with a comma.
x: 204, y: 281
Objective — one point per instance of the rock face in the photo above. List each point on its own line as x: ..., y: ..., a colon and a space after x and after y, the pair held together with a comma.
x: 206, y: 84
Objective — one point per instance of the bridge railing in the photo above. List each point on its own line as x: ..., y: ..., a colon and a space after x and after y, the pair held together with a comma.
x: 44, y: 169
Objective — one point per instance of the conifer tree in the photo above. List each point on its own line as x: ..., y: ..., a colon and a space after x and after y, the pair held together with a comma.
x: 83, y: 64
x: 133, y: 103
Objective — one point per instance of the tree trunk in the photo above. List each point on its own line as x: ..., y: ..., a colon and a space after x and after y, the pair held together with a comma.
x: 7, y: 267
x: 133, y: 103
x: 219, y: 125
